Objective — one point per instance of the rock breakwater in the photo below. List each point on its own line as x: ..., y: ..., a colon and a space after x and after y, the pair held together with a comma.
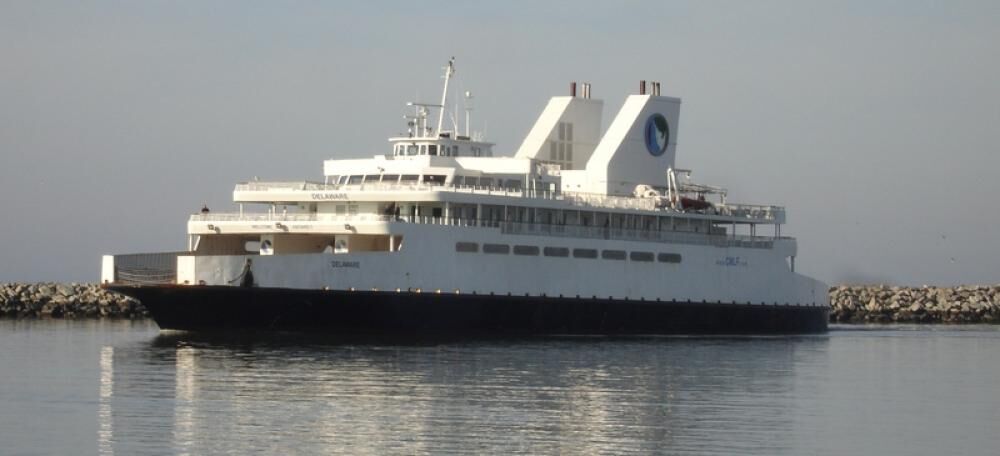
x: 885, y: 304
x: 848, y: 303
x: 65, y: 300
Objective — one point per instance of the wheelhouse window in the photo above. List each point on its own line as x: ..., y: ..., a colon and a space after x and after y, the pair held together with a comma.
x: 355, y: 180
x: 390, y: 178
x: 372, y: 178
x: 408, y: 178
x: 432, y: 149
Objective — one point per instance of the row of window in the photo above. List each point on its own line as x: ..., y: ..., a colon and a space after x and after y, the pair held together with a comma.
x: 564, y: 252
x: 425, y: 149
x: 443, y: 150
x: 434, y: 179
x: 476, y: 181
x: 359, y: 179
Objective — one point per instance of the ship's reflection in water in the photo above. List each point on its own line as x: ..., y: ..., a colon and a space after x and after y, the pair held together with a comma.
x: 194, y: 394
x: 105, y: 425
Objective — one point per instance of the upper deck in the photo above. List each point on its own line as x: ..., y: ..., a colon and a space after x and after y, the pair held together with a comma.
x: 299, y: 192
x: 567, y: 172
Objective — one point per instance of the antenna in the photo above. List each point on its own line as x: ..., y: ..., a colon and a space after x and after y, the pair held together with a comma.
x: 448, y: 71
x: 468, y: 111
x: 420, y: 116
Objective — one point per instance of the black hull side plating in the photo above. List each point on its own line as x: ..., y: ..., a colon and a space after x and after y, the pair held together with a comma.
x: 378, y: 312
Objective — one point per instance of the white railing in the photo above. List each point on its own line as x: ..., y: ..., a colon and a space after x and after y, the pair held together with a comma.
x: 751, y: 211
x: 613, y: 202
x: 270, y: 186
x: 764, y: 213
x: 517, y: 228
x: 380, y: 186
x: 279, y: 217
x: 580, y: 199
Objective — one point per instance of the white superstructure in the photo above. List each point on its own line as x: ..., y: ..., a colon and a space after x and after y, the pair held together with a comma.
x: 573, y: 213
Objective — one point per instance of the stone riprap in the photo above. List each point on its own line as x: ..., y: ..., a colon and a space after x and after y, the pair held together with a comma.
x: 65, y: 300
x: 885, y: 304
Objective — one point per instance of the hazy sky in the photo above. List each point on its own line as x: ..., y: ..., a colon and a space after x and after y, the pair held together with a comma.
x: 875, y: 123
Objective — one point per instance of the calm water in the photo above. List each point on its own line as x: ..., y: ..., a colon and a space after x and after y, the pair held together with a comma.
x: 124, y: 388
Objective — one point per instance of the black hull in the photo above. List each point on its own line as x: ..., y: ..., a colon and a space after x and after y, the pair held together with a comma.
x: 393, y: 313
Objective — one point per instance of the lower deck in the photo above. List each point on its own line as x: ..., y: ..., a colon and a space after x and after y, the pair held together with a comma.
x: 399, y: 313
x: 471, y: 260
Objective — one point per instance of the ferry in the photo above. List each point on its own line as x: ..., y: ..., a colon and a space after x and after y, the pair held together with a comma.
x: 580, y: 231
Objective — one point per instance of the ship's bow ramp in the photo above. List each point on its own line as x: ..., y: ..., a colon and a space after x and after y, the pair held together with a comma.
x: 638, y: 148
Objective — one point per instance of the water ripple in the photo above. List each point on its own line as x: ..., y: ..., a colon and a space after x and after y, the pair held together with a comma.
x: 856, y: 390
